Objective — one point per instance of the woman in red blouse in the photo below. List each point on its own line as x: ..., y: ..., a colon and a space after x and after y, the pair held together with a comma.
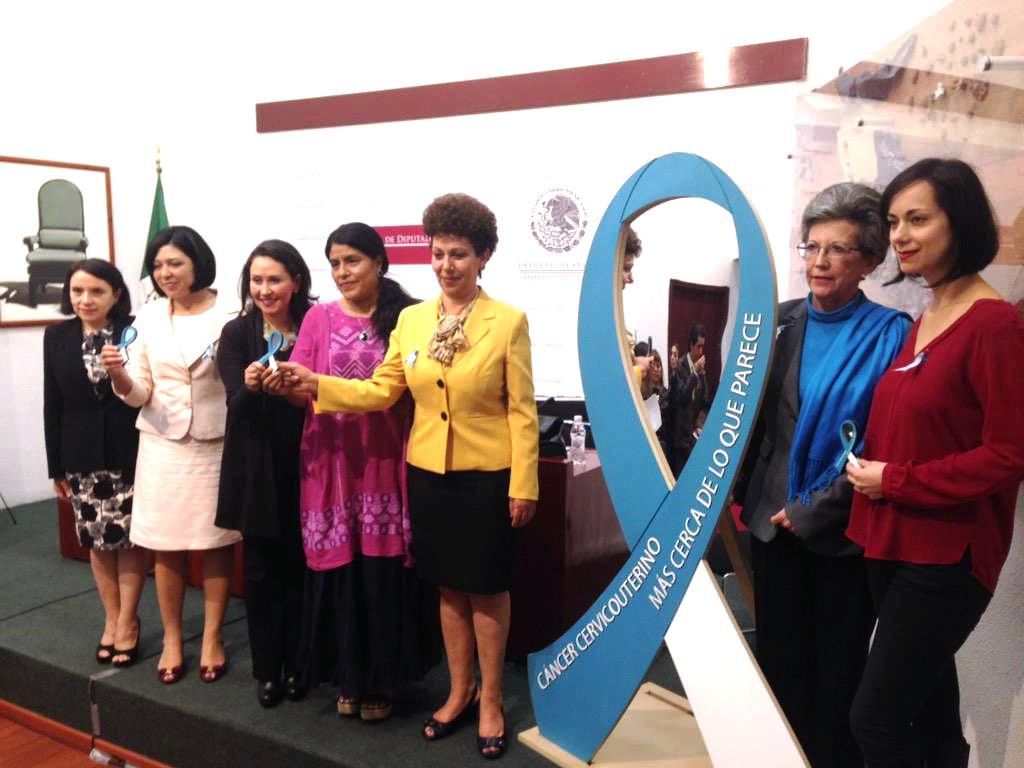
x: 943, y: 460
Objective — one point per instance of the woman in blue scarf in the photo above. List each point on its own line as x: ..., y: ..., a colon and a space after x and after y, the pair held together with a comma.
x: 814, y: 614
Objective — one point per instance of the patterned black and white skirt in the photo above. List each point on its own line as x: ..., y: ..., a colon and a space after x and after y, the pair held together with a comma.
x: 103, y: 509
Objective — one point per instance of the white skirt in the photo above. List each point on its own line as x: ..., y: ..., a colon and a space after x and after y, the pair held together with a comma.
x: 176, y: 485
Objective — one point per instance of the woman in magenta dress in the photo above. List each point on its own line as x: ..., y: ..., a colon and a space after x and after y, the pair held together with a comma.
x: 942, y: 462
x: 364, y: 601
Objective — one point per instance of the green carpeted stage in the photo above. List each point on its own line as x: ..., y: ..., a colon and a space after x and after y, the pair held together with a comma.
x: 50, y: 622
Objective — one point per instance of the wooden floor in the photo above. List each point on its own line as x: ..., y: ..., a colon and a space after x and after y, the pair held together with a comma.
x: 24, y: 748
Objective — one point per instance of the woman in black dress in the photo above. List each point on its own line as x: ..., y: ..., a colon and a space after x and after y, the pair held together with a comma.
x: 91, y: 442
x: 259, y: 478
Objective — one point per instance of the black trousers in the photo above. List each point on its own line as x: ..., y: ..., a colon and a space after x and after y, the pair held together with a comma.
x: 814, y: 618
x: 907, y: 709
x: 274, y: 576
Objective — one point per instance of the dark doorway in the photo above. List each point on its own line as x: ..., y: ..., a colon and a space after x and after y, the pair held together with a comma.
x: 690, y: 303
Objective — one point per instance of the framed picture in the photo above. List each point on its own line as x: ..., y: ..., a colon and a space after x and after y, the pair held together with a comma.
x: 52, y: 214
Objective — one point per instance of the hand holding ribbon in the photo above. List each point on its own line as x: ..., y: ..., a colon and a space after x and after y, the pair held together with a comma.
x: 848, y: 436
x: 128, y: 335
x: 274, y: 343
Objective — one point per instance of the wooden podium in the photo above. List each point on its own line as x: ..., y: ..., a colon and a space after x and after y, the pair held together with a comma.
x: 570, y: 552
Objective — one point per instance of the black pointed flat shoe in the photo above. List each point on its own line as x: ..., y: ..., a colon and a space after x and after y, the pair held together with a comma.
x: 294, y: 689
x: 269, y: 693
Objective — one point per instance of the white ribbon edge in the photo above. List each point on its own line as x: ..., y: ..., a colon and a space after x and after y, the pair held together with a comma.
x: 739, y: 719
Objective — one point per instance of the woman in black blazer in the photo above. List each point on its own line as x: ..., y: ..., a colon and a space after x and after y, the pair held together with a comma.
x: 259, y: 478
x: 91, y: 443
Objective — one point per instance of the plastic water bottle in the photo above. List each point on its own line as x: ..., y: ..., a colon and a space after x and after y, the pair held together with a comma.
x: 578, y: 441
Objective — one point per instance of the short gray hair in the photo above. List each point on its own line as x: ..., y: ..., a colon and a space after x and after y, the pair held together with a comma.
x: 856, y: 203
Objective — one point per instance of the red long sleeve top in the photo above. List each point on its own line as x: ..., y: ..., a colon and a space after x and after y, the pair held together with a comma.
x: 951, y: 430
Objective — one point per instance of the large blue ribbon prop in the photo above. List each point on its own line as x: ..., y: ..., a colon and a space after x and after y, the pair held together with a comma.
x: 582, y: 683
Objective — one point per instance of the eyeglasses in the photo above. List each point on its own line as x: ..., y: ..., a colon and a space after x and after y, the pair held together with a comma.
x: 811, y: 251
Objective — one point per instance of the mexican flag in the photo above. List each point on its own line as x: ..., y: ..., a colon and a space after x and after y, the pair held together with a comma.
x: 157, y: 221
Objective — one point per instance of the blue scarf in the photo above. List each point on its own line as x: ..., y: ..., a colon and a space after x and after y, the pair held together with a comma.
x: 841, y: 389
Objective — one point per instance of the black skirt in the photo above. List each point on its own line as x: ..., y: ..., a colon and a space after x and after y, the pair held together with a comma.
x: 369, y: 627
x: 462, y: 536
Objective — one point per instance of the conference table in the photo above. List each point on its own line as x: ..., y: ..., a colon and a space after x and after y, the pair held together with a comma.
x: 569, y: 553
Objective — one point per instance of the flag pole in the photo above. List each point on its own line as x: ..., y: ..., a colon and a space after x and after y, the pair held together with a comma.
x: 157, y: 221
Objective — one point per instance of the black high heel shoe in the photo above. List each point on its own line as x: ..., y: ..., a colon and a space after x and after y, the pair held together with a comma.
x: 104, y: 653
x: 492, y: 747
x: 130, y: 654
x: 496, y: 744
x: 441, y: 729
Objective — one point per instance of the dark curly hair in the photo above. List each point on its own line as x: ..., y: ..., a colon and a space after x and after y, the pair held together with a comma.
x: 459, y: 215
x: 392, y: 297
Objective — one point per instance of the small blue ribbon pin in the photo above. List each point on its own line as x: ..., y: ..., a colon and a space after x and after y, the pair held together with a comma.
x: 274, y: 344
x: 581, y: 683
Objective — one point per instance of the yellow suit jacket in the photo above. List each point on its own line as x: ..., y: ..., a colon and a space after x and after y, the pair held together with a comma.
x: 478, y: 414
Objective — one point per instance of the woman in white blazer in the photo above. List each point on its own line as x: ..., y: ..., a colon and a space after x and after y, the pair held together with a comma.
x: 172, y: 375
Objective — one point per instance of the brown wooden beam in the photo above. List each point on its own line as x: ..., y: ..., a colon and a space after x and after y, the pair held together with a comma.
x: 744, y: 65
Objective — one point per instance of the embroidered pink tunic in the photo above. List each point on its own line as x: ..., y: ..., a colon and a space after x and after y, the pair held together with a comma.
x: 353, y: 498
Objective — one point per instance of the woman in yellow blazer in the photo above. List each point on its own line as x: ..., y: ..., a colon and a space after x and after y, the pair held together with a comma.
x: 472, y: 458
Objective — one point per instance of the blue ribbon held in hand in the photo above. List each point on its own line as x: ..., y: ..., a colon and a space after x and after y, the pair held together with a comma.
x: 128, y: 335
x: 848, y: 438
x: 274, y: 344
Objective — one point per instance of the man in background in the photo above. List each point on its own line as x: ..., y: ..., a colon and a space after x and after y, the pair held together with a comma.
x: 687, y: 398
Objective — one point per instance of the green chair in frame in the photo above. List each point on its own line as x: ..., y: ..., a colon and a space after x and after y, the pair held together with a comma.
x: 60, y: 241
